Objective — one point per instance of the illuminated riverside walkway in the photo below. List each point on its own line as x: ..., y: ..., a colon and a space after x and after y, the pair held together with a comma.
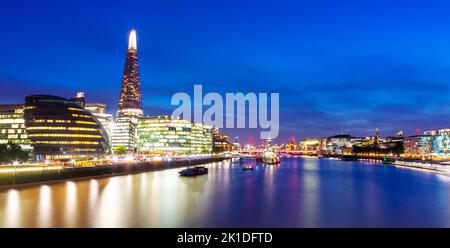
x: 14, y: 175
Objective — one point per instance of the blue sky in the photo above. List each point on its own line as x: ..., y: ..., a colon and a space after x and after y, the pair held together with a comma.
x: 339, y: 66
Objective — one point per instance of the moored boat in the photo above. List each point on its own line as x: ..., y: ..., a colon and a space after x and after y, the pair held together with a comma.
x: 270, y: 157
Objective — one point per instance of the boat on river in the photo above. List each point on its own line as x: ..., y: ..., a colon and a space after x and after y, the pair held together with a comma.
x: 248, y: 167
x: 194, y: 171
x: 270, y: 157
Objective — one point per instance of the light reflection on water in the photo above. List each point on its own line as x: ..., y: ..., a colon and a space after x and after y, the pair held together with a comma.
x: 12, y: 215
x: 45, y: 207
x: 298, y: 193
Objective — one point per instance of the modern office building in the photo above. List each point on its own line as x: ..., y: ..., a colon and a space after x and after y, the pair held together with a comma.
x: 98, y: 110
x: 417, y: 146
x: 335, y: 145
x: 130, y: 93
x: 221, y: 142
x: 312, y: 145
x: 12, y: 126
x: 172, y: 135
x: 60, y: 129
x: 124, y: 133
x: 439, y: 142
x: 124, y: 128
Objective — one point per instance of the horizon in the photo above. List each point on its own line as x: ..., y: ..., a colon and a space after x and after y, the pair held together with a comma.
x: 339, y: 67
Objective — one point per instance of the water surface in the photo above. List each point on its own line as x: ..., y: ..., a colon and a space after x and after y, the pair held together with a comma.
x: 301, y: 192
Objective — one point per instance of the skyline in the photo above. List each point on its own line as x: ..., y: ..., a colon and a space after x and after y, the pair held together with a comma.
x: 369, y: 66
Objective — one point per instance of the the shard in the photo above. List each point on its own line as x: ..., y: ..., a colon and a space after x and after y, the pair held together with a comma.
x: 130, y: 94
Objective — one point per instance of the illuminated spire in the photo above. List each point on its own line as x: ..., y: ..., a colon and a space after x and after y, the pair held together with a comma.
x: 132, y: 43
x: 130, y: 93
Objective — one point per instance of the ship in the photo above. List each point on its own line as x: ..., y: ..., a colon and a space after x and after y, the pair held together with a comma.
x: 270, y: 157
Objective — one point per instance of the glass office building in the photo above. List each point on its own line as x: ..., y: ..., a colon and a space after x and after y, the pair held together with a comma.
x: 12, y: 126
x: 61, y: 129
x: 417, y: 146
x: 439, y: 142
x: 124, y: 133
x: 98, y: 110
x: 171, y: 135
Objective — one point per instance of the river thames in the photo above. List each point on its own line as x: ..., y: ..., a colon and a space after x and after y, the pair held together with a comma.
x: 300, y: 192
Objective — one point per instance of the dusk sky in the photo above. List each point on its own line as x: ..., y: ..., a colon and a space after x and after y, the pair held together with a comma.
x: 339, y: 66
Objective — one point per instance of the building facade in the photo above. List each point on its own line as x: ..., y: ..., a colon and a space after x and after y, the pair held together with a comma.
x: 98, y: 111
x: 60, y: 129
x: 221, y: 142
x: 439, y: 142
x: 312, y: 145
x: 12, y: 126
x: 335, y: 145
x: 171, y: 135
x: 417, y: 146
x: 124, y: 133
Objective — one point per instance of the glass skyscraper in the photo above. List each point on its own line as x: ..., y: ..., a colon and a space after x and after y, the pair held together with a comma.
x: 130, y: 93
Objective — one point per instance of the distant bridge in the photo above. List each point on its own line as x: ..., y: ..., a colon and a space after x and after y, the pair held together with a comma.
x: 258, y: 152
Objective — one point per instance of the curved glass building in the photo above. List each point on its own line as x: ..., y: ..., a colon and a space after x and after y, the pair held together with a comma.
x: 61, y: 129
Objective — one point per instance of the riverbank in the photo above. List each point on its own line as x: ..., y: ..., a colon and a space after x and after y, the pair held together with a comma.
x: 39, y: 175
x: 401, y: 162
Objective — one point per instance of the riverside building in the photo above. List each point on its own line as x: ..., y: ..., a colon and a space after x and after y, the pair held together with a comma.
x: 335, y: 145
x: 221, y: 142
x: 310, y: 145
x: 129, y: 108
x: 98, y: 110
x: 417, y: 146
x: 12, y: 126
x: 60, y: 129
x: 439, y: 142
x: 172, y: 135
x: 124, y: 134
x: 130, y: 93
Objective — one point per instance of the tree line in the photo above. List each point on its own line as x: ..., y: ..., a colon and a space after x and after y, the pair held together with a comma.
x: 12, y: 152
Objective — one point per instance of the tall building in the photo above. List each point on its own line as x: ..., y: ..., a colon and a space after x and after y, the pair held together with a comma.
x: 130, y: 93
x: 98, y: 110
x: 129, y: 108
x: 172, y: 135
x: 12, y: 126
x: 60, y: 129
x: 124, y: 133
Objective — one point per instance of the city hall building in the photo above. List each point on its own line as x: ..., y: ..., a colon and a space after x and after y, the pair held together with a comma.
x: 61, y: 129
